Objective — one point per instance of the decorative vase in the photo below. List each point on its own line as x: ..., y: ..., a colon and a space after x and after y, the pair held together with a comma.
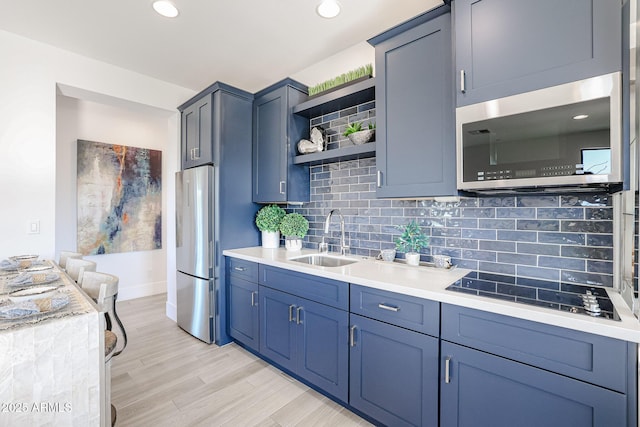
x: 293, y: 243
x: 361, y: 137
x: 270, y: 239
x: 413, y: 258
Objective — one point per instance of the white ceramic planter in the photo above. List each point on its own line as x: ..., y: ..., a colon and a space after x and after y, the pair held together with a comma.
x: 270, y: 239
x: 413, y: 258
x: 293, y: 244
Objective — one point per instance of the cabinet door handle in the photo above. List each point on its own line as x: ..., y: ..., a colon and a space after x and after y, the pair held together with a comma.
x: 388, y: 307
x: 253, y: 298
x: 447, y: 370
x: 463, y: 86
x: 196, y: 153
x: 283, y: 187
x: 379, y: 179
x: 239, y: 268
x: 352, y: 338
x: 291, y: 307
x: 298, y: 310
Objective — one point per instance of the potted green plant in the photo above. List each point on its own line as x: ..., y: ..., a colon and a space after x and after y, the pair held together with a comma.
x: 268, y: 221
x: 294, y: 227
x: 357, y: 135
x: 411, y: 241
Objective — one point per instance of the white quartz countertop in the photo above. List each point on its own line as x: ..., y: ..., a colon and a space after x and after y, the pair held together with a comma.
x: 430, y: 283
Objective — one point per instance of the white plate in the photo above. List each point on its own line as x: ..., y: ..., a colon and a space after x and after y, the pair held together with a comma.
x: 26, y: 309
x: 48, y: 278
x: 35, y: 292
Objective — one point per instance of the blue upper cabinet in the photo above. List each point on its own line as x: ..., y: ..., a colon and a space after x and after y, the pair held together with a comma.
x: 203, y: 129
x: 504, y: 47
x: 415, y: 152
x: 196, y: 146
x: 276, y: 131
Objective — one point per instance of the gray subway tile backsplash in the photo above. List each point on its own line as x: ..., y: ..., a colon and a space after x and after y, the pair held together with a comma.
x: 537, y: 239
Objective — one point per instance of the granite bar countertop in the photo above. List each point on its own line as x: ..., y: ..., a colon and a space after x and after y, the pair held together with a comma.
x: 431, y: 283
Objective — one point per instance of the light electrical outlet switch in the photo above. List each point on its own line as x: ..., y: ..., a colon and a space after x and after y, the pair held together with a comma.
x: 34, y: 227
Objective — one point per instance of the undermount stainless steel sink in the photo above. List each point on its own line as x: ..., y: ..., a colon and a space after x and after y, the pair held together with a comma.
x: 324, y: 260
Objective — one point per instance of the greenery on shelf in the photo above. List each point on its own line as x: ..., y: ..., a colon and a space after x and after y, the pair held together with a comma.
x: 412, y: 238
x: 365, y: 70
x: 294, y: 225
x: 357, y: 127
x: 352, y: 128
x: 269, y: 217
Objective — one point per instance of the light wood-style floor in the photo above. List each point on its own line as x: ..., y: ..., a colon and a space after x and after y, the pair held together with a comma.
x: 165, y: 377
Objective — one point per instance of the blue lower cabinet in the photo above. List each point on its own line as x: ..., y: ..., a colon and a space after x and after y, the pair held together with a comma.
x: 393, y: 373
x: 481, y: 389
x: 323, y: 355
x: 307, y: 338
x: 243, y: 312
x: 277, y: 327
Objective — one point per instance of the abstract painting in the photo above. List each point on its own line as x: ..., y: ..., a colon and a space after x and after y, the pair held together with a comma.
x: 119, y: 198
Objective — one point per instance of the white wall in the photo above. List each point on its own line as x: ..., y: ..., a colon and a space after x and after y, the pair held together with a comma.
x: 29, y: 75
x: 349, y: 59
x: 141, y: 273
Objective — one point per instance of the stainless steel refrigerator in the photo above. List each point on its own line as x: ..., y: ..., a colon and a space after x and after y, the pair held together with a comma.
x: 195, y: 252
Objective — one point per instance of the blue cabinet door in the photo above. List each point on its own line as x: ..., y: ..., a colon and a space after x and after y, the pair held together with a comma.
x: 393, y: 373
x: 196, y: 139
x: 276, y: 131
x: 270, y: 147
x: 415, y: 151
x: 243, y: 312
x: 504, y: 47
x: 278, y: 327
x: 323, y: 352
x: 480, y: 389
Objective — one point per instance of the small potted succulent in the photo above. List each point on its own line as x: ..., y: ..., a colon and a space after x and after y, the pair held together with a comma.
x: 294, y: 227
x: 268, y: 221
x: 359, y: 136
x: 411, y: 241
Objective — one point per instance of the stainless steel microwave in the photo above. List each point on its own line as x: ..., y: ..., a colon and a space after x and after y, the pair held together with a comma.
x: 563, y: 137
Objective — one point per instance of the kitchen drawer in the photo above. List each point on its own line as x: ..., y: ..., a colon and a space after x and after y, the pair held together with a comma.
x: 593, y: 358
x: 409, y: 312
x: 246, y: 270
x: 314, y: 288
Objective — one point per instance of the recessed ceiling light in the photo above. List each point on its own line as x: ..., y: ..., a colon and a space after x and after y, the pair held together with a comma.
x: 165, y: 8
x: 328, y: 9
x: 580, y: 116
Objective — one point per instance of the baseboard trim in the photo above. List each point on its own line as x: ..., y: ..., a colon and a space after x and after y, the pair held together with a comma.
x: 171, y: 311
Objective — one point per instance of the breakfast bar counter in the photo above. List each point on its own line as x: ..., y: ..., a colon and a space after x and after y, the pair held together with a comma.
x: 52, y: 354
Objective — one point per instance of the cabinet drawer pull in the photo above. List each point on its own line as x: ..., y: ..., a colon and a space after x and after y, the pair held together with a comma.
x: 379, y: 179
x: 352, y: 333
x: 463, y: 86
x: 388, y: 307
x: 283, y: 187
x: 253, y: 298
x: 291, y: 307
x: 239, y: 268
x: 298, y: 310
x: 447, y: 370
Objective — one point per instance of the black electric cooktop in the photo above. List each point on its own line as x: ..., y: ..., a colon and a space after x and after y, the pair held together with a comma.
x: 584, y: 300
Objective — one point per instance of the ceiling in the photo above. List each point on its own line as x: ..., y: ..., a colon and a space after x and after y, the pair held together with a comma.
x: 246, y: 43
